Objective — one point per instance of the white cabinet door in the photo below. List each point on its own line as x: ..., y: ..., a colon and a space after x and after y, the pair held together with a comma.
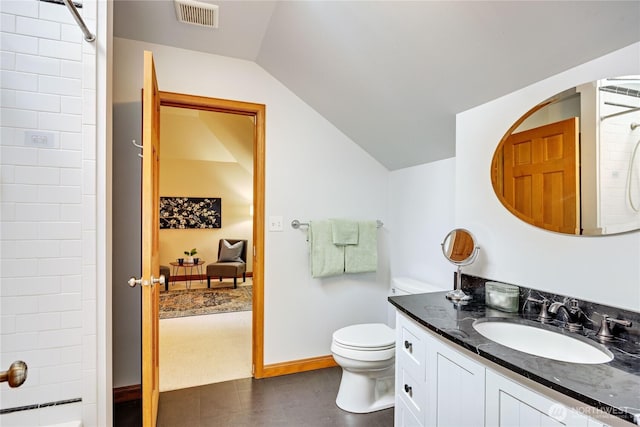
x: 512, y: 405
x: 455, y: 387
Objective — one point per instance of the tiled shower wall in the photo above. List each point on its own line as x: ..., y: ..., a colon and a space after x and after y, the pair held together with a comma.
x: 617, y: 141
x: 48, y: 212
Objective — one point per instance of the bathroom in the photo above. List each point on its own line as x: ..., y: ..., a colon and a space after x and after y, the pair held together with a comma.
x: 413, y: 229
x: 424, y: 203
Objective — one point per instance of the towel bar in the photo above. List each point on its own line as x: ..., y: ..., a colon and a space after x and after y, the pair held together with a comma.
x: 297, y: 224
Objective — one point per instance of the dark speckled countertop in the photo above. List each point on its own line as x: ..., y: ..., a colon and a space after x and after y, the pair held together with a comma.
x: 613, y: 387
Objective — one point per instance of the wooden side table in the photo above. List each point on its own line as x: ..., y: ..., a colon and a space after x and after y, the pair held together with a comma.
x: 176, y: 266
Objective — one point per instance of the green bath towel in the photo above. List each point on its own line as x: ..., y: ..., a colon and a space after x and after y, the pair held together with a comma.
x: 345, y: 232
x: 326, y: 258
x: 363, y: 257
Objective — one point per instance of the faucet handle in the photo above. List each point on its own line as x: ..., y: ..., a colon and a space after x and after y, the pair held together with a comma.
x: 544, y: 315
x: 574, y: 305
x: 604, y: 333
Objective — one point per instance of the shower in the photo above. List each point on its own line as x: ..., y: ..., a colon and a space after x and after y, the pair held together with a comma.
x: 619, y: 97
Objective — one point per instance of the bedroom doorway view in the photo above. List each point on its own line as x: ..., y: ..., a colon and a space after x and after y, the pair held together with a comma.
x: 206, y: 196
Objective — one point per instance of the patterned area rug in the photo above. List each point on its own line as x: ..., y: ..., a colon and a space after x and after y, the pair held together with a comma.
x: 196, y: 302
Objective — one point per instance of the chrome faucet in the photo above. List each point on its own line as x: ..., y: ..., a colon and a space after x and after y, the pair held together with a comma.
x: 604, y: 333
x: 572, y: 311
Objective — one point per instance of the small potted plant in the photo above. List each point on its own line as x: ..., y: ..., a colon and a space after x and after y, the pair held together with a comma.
x: 190, y: 255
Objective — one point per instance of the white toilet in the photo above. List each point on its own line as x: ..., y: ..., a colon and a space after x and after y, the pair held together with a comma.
x: 366, y: 353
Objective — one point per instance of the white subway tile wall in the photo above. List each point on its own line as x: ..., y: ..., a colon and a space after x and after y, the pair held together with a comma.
x: 617, y: 141
x: 48, y: 211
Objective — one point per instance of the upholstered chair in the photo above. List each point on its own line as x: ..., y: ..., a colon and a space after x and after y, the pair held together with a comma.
x: 164, y: 270
x: 232, y: 261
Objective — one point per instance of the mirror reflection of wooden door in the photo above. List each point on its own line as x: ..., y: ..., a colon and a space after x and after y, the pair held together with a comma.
x: 462, y: 246
x: 150, y: 242
x: 540, y: 176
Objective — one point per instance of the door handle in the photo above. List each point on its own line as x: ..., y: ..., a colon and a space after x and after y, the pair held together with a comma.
x: 16, y: 375
x: 133, y: 281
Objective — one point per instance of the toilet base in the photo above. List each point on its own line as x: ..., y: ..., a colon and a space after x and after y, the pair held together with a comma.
x: 364, y: 392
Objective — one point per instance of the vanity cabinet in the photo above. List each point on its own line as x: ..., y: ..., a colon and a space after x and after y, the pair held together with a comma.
x: 511, y: 404
x: 439, y: 386
x: 405, y: 416
x: 435, y: 385
x: 411, y: 386
x: 455, y: 387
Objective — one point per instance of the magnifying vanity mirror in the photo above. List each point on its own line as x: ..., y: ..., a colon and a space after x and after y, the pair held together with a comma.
x: 460, y: 248
x: 572, y: 164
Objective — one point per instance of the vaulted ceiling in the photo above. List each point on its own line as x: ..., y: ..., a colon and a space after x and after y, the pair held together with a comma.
x: 391, y: 75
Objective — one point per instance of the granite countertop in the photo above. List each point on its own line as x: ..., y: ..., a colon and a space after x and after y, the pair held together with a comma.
x: 612, y: 387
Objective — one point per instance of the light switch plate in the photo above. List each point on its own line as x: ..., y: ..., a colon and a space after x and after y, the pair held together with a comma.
x: 40, y: 139
x: 275, y: 223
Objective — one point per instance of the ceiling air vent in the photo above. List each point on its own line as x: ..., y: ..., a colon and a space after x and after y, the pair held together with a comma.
x: 197, y: 13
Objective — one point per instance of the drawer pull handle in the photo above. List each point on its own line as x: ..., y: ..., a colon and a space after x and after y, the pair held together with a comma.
x: 408, y: 389
x: 408, y: 345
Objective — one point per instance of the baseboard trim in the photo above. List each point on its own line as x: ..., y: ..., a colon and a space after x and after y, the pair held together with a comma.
x: 296, y: 366
x: 127, y: 393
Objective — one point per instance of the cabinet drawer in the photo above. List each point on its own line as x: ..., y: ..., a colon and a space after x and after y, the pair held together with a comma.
x: 404, y: 417
x: 412, y: 392
x: 410, y: 346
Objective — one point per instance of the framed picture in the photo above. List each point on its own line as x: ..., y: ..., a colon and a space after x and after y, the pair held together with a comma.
x: 190, y: 212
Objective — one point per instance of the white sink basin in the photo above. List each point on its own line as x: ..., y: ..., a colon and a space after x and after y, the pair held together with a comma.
x: 543, y: 342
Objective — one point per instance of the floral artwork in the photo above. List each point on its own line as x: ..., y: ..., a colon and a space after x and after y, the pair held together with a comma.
x: 190, y: 212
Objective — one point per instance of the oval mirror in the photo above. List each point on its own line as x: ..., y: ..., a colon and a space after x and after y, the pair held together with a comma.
x: 459, y: 247
x: 572, y: 164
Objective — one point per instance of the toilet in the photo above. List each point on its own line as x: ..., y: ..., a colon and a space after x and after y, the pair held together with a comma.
x: 366, y: 354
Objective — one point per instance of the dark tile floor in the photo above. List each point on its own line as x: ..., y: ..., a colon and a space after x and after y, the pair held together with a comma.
x: 305, y: 399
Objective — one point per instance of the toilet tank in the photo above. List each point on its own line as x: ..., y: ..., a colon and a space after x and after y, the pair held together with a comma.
x: 407, y: 286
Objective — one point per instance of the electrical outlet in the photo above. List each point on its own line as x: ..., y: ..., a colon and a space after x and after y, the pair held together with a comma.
x: 275, y: 223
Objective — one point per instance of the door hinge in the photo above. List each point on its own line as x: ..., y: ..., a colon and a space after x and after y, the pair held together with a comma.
x: 253, y: 370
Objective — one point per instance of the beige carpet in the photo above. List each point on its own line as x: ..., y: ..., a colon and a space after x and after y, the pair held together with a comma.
x: 198, y: 350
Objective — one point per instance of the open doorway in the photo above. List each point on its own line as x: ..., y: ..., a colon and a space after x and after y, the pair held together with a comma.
x: 209, y: 153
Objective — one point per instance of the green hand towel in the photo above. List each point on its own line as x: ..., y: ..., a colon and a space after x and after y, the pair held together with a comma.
x: 345, y: 232
x: 327, y: 259
x: 363, y: 257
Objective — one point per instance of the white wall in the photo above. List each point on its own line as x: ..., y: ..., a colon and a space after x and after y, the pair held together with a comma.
x: 312, y: 172
x: 422, y: 213
x: 599, y: 269
x: 49, y: 222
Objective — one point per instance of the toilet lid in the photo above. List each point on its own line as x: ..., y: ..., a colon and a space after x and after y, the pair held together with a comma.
x: 368, y: 335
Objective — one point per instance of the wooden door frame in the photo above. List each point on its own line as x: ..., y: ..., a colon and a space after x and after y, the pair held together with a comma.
x: 258, y: 112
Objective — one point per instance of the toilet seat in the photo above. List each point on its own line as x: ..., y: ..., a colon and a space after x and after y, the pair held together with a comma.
x: 365, y: 337
x: 353, y: 347
x: 365, y: 342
